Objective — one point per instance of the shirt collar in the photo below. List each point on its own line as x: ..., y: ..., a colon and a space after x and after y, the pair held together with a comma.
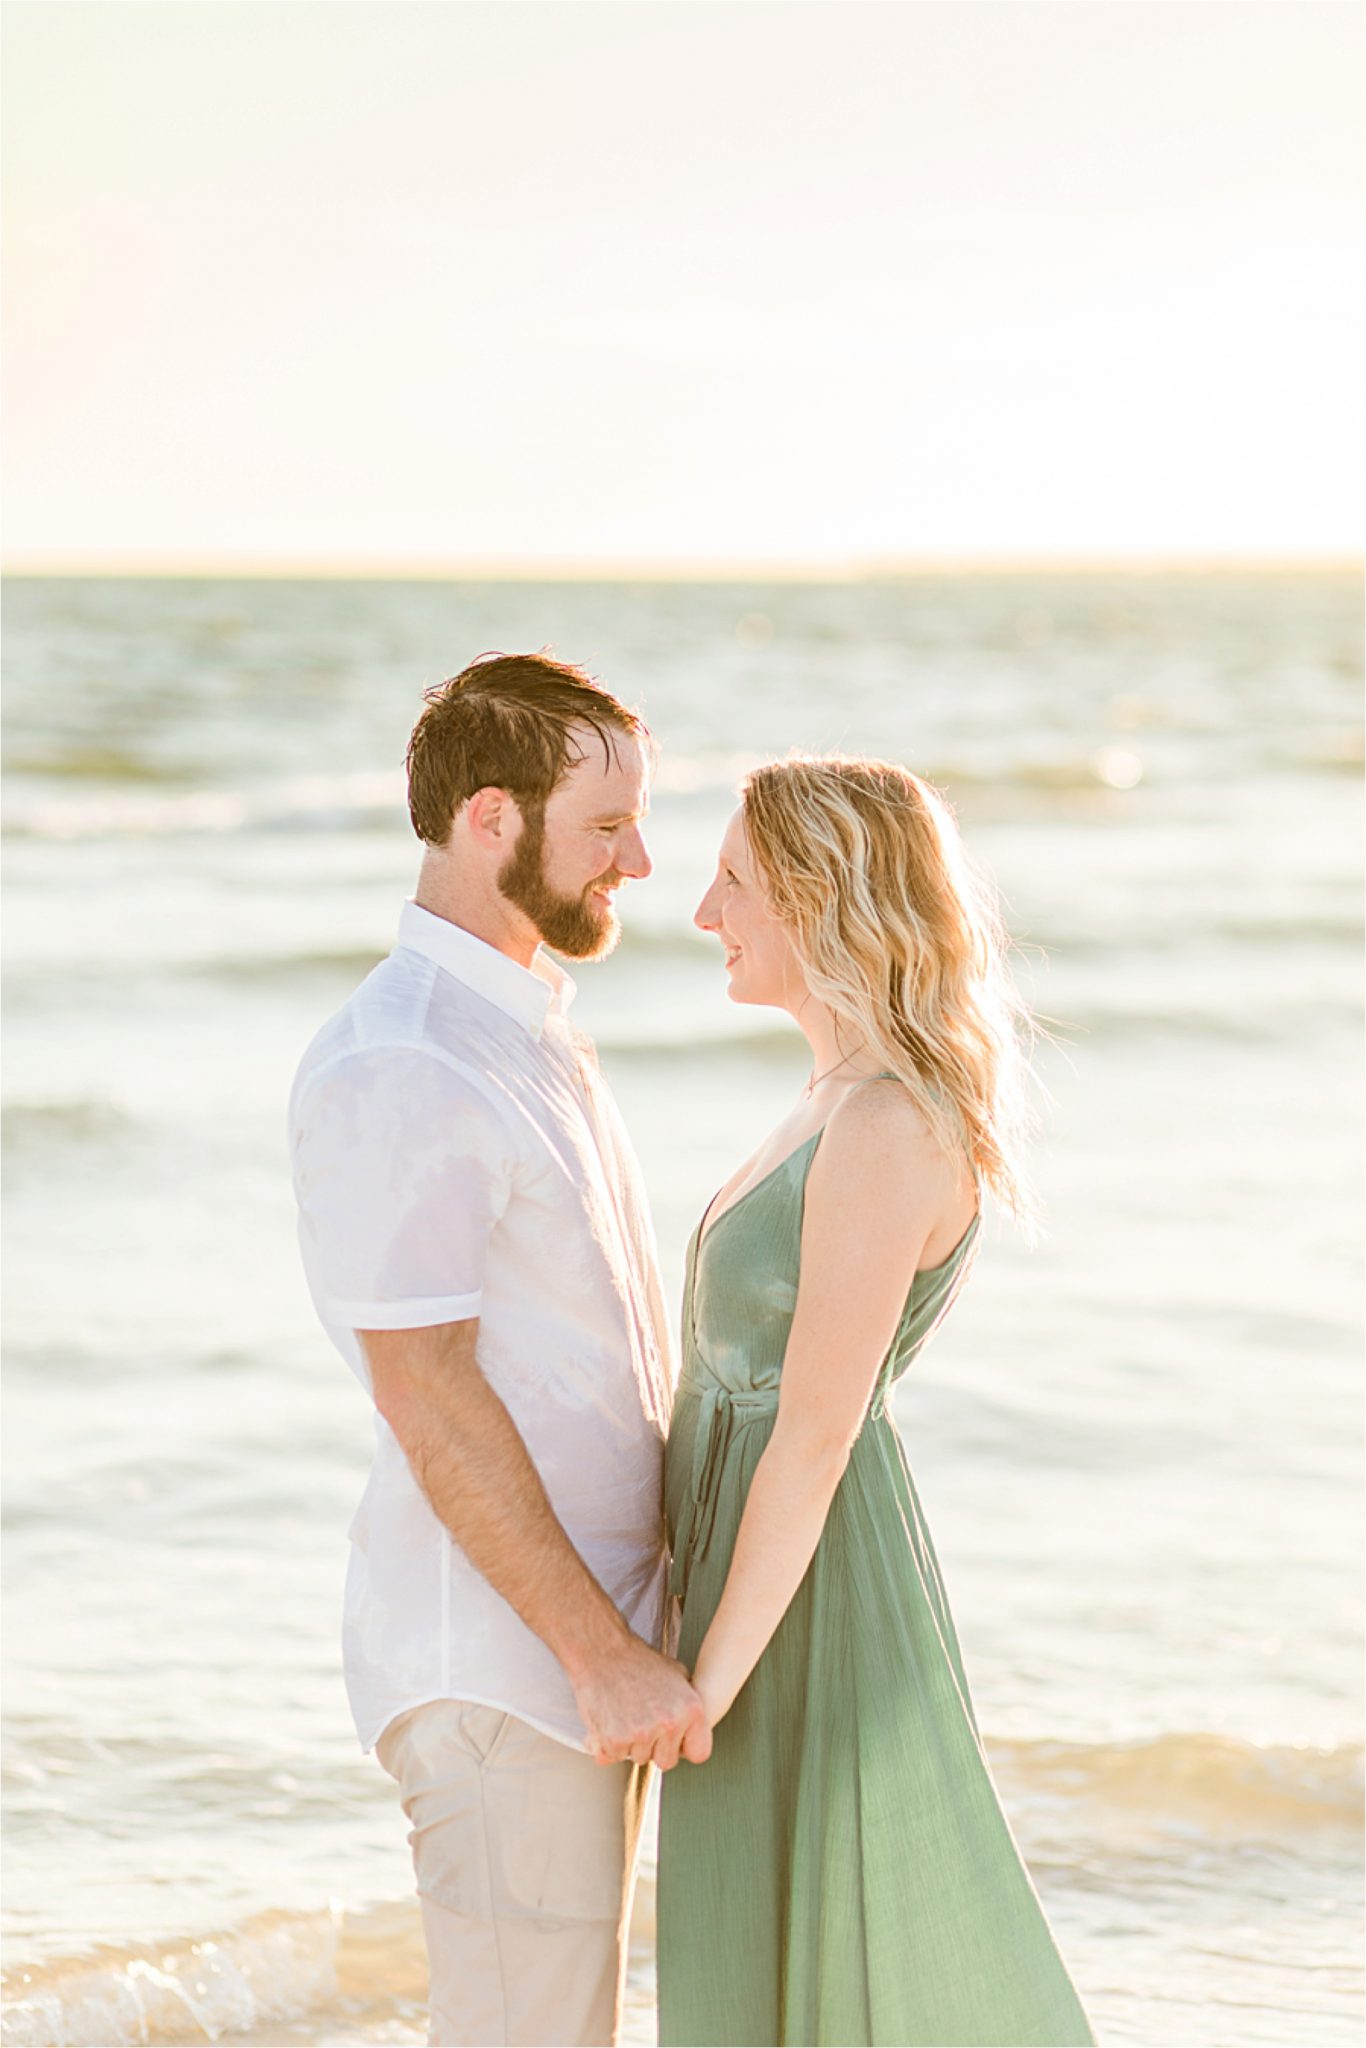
x: 525, y: 994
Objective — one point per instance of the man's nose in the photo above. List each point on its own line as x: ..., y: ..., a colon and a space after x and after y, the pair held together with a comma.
x: 633, y: 856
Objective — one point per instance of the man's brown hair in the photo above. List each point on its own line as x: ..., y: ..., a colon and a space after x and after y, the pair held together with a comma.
x: 506, y: 722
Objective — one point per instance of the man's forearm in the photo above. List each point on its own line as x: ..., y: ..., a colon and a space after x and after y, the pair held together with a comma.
x: 469, y: 1459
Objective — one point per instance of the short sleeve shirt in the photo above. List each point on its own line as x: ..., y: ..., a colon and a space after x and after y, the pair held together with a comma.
x: 457, y: 1154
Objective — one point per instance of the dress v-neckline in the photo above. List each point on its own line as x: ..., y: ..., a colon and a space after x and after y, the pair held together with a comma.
x: 710, y: 1222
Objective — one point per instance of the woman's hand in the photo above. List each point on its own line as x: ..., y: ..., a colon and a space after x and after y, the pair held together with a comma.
x: 696, y: 1744
x: 716, y: 1696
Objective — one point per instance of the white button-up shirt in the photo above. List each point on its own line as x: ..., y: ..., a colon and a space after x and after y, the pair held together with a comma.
x: 457, y: 1154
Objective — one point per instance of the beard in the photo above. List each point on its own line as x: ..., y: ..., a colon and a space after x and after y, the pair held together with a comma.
x: 573, y: 925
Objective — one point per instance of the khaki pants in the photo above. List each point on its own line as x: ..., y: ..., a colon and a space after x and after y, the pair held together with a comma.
x: 525, y: 1856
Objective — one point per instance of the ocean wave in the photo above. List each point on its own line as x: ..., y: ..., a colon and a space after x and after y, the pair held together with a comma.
x: 364, y: 800
x: 780, y: 1042
x: 278, y: 1967
x: 351, y: 802
x: 354, y: 802
x: 89, y: 763
x: 45, y: 1123
x: 1249, y: 927
x: 657, y: 943
x: 1219, y: 1783
x: 1287, y: 1022
x: 277, y: 1970
x: 275, y: 1967
x: 287, y: 1967
x: 350, y: 963
x: 1081, y: 1025
x: 369, y: 801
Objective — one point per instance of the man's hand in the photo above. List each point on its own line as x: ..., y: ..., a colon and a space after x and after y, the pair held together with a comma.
x: 466, y: 1454
x: 641, y: 1706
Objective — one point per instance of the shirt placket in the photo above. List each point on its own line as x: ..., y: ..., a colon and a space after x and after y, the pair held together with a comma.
x: 588, y: 1086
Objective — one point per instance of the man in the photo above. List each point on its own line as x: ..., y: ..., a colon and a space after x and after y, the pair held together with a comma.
x: 478, y: 1248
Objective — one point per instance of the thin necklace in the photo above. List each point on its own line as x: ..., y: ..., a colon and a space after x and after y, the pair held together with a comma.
x: 816, y: 1079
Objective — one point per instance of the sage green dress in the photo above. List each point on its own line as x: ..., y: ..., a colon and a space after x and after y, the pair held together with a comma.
x: 840, y: 1871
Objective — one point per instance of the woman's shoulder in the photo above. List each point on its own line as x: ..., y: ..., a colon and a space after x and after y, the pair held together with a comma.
x: 881, y: 1103
x: 883, y: 1192
x: 880, y: 1140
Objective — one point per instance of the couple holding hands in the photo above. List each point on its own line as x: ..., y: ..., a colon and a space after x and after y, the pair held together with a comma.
x: 568, y: 1565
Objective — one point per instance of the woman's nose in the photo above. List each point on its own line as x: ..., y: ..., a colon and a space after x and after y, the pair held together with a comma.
x: 704, y: 917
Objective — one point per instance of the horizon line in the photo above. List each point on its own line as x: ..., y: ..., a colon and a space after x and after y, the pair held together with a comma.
x: 570, y: 569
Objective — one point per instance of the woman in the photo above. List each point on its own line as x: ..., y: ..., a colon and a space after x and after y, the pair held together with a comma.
x: 841, y: 1871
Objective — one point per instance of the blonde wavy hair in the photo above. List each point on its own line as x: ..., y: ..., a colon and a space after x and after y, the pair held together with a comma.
x: 903, y: 940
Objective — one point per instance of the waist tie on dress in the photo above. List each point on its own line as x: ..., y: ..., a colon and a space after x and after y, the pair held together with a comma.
x: 716, y: 1426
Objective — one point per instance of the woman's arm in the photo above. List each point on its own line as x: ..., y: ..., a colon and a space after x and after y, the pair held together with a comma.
x: 876, y: 1188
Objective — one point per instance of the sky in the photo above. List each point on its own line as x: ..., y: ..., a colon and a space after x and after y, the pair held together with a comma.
x: 680, y: 282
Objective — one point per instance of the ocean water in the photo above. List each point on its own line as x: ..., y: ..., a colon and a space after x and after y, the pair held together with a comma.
x: 1138, y: 1441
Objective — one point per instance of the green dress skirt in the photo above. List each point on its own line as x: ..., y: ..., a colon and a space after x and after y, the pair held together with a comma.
x: 840, y: 1870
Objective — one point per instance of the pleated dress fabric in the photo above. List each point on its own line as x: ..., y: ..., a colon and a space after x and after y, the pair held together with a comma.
x: 840, y: 1871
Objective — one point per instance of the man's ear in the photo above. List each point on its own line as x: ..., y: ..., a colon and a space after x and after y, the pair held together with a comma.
x: 493, y: 818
